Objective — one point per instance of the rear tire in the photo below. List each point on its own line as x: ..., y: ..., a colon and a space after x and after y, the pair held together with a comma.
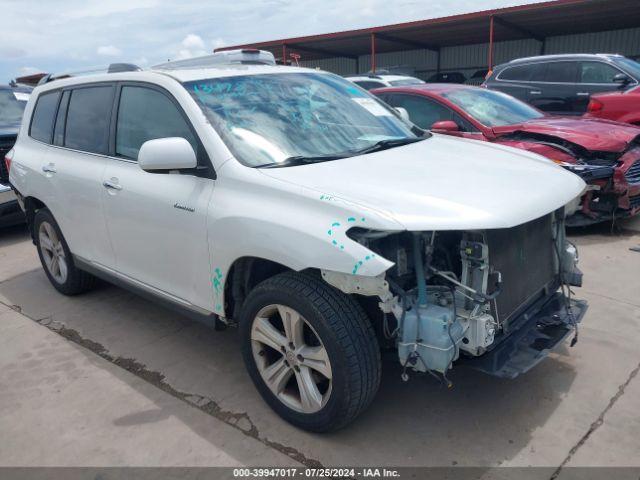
x: 317, y: 360
x: 56, y: 257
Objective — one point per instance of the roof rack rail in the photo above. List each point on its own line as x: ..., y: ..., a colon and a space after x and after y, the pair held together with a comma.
x: 246, y: 56
x: 112, y: 68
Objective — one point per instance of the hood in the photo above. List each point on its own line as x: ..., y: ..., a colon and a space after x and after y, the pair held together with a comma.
x: 444, y: 183
x: 591, y: 134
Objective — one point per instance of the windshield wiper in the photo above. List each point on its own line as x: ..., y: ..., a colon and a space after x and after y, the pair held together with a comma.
x: 301, y: 160
x: 389, y: 143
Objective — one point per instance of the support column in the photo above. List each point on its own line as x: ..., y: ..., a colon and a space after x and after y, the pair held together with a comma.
x: 284, y: 54
x: 373, y: 53
x: 490, y: 43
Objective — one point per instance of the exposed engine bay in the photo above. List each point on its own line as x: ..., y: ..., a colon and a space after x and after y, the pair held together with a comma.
x: 455, y: 294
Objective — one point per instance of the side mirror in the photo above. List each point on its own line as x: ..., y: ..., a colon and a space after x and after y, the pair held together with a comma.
x: 445, y: 126
x: 622, y: 78
x: 172, y: 153
x: 403, y: 113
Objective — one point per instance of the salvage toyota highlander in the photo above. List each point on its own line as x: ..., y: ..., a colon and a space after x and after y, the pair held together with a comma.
x: 295, y: 205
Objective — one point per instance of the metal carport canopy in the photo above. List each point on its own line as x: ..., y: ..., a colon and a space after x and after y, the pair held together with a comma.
x: 538, y: 21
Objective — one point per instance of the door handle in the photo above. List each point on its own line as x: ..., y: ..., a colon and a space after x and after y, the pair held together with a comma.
x: 535, y: 92
x: 583, y: 94
x: 111, y: 185
x: 51, y: 168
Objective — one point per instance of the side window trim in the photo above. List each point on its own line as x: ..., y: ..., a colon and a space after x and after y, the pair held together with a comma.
x: 560, y: 83
x: 201, y: 153
x: 62, y: 104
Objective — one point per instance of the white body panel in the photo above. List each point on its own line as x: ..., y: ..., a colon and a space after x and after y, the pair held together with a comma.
x: 295, y: 216
x: 157, y: 224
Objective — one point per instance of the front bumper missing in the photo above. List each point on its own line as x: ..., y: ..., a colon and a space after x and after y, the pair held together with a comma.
x: 529, y: 344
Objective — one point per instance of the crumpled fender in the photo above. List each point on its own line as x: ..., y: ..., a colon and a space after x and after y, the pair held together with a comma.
x: 288, y: 224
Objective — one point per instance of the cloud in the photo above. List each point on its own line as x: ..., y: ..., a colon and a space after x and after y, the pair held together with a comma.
x: 109, y: 51
x: 191, y: 46
x: 70, y: 35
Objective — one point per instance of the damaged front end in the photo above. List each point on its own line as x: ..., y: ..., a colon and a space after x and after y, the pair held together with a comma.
x: 613, y: 177
x: 491, y: 299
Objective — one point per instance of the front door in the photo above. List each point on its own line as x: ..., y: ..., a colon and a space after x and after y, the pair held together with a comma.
x: 156, y: 221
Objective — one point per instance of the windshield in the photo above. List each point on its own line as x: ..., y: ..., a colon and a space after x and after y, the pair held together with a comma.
x: 490, y: 108
x: 12, y: 106
x: 631, y: 66
x: 270, y: 118
x: 406, y: 81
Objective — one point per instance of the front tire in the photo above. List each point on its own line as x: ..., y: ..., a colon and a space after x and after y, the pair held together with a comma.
x: 56, y: 257
x: 310, y: 351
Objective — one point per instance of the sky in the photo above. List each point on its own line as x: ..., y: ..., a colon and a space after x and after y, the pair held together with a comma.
x: 58, y: 36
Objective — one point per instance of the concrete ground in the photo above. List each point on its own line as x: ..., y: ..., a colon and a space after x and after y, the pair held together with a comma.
x: 108, y: 378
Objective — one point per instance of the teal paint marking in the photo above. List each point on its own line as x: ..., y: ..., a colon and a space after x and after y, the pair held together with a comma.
x: 334, y: 231
x: 215, y: 280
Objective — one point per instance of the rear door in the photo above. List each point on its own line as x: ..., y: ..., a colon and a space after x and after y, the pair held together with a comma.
x: 74, y: 163
x: 554, y: 87
x: 514, y: 80
x: 156, y: 221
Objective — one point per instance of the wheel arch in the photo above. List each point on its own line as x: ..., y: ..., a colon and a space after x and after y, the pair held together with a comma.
x: 243, y: 275
x: 31, y: 207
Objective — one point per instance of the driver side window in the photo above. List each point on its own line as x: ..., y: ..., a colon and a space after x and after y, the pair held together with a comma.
x: 425, y: 112
x: 146, y: 114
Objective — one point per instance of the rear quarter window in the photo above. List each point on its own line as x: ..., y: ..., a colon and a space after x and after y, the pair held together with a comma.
x: 520, y: 73
x: 43, y: 116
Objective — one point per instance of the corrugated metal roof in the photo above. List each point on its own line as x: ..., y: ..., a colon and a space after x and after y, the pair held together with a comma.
x: 540, y: 20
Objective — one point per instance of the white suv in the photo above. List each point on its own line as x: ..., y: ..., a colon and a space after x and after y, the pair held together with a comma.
x: 293, y: 204
x: 372, y: 80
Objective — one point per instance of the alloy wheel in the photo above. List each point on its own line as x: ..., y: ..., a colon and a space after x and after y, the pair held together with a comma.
x: 291, y: 358
x: 53, y: 252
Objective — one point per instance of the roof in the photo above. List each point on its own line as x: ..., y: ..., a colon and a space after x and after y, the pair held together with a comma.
x: 180, y: 75
x: 436, y: 88
x: 380, y: 76
x: 191, y: 74
x: 565, y: 56
x: 539, y: 20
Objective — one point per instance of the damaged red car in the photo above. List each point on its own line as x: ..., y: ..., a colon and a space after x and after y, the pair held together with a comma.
x: 604, y: 153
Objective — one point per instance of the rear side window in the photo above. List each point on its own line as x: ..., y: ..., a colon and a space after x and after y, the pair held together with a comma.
x: 145, y: 114
x: 561, y: 72
x: 43, y: 115
x: 597, y: 72
x: 520, y: 73
x: 88, y: 117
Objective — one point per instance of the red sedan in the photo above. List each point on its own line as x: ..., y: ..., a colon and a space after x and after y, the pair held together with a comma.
x: 605, y: 153
x: 618, y: 106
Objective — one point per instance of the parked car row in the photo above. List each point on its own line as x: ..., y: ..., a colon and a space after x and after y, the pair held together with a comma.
x: 604, y: 153
x: 12, y: 104
x: 301, y: 208
x: 552, y: 105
